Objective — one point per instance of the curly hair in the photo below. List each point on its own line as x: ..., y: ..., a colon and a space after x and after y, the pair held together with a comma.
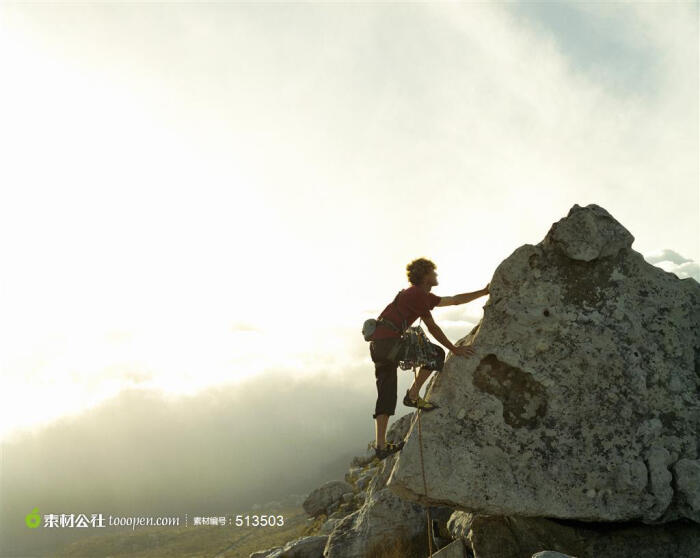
x: 418, y: 269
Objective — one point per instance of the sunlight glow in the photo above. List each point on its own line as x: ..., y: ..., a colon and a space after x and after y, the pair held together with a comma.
x: 232, y: 192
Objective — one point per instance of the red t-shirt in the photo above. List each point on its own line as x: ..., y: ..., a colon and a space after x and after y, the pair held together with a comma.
x: 411, y: 302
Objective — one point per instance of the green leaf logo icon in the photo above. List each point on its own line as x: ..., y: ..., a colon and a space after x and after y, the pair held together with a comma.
x: 33, y: 519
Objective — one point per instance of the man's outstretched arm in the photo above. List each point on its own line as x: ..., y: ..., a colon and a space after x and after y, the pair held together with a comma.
x: 463, y: 298
x: 464, y: 350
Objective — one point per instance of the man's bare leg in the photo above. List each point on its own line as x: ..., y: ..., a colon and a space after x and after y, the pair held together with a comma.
x: 423, y: 375
x: 380, y: 424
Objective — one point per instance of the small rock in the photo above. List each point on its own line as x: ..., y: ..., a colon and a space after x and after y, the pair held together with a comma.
x: 325, y: 496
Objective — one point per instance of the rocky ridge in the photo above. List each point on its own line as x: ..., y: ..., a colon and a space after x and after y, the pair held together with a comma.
x: 573, y: 430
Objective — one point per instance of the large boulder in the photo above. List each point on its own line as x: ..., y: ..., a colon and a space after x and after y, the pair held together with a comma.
x: 582, y: 400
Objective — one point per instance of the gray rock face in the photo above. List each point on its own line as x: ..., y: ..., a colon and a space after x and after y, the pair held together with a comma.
x: 588, y: 233
x: 325, y: 497
x: 687, y: 474
x: 327, y: 527
x: 493, y: 536
x: 583, y: 400
x: 384, y: 520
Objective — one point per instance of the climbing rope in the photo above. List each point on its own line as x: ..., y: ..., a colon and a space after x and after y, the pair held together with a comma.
x: 422, y: 356
x: 425, y: 484
x: 417, y: 353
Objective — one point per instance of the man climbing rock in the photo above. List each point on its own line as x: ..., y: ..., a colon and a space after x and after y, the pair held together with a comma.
x: 411, y: 303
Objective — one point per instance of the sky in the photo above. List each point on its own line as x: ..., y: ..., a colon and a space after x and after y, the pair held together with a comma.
x: 194, y: 195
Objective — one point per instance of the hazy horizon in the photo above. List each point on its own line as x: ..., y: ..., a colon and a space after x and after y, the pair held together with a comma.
x: 218, y: 452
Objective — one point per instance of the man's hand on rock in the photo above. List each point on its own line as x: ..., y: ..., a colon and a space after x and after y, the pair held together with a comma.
x: 464, y: 350
x: 486, y: 289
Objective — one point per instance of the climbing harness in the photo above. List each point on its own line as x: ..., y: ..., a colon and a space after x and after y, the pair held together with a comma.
x: 370, y: 326
x: 412, y: 347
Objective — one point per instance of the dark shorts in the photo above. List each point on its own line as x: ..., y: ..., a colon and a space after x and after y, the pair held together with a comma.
x: 385, y: 373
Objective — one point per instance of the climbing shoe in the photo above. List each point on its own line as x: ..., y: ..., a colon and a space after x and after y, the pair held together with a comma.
x: 387, y: 450
x: 419, y: 403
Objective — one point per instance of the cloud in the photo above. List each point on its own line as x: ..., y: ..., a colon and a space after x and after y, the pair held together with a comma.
x: 688, y: 269
x: 604, y: 43
x: 673, y: 262
x: 666, y: 255
x: 683, y: 268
